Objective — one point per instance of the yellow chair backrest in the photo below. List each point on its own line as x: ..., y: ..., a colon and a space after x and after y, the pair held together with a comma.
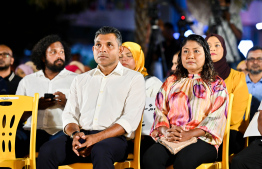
x: 247, y: 116
x: 225, y: 148
x: 12, y: 108
x: 133, y: 160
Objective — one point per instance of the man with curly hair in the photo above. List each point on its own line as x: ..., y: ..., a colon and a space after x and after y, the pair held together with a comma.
x: 52, y: 82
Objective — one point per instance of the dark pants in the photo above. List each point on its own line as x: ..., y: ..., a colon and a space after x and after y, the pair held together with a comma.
x: 103, y: 154
x: 146, y: 143
x: 236, y: 144
x: 23, y: 140
x: 190, y: 157
x: 249, y: 158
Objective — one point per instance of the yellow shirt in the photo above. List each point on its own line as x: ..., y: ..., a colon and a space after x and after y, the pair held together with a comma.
x: 236, y: 84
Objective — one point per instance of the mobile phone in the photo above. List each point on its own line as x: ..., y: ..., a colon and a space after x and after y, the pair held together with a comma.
x: 49, y: 96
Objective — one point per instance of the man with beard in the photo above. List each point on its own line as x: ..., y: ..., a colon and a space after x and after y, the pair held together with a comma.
x: 10, y: 79
x: 254, y: 77
x: 52, y: 82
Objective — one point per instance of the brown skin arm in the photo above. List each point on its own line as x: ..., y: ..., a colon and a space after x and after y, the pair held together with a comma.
x: 259, y: 121
x: 45, y: 103
x: 177, y: 134
x: 113, y: 131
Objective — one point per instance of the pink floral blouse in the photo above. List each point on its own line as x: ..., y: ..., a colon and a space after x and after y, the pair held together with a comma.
x: 193, y: 103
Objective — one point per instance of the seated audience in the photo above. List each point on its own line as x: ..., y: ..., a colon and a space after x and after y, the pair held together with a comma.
x: 80, y: 65
x: 191, y: 103
x: 250, y: 157
x: 50, y: 55
x: 22, y: 70
x: 6, y: 61
x: 254, y: 77
x: 242, y: 67
x: 104, y: 107
x: 32, y: 65
x: 133, y: 58
x: 235, y: 83
x: 174, y: 61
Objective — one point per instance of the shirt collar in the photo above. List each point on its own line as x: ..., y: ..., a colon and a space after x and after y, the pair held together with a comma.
x: 248, y: 80
x: 118, y: 70
x: 10, y: 76
x: 40, y: 73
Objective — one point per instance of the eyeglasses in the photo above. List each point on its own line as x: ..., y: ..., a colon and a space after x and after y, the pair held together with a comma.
x: 241, y: 70
x: 5, y: 55
x: 253, y: 59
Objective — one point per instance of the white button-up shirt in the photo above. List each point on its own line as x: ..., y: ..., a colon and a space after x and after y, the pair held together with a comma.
x: 49, y: 119
x: 96, y: 101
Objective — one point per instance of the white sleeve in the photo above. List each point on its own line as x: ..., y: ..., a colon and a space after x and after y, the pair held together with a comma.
x: 71, y: 111
x: 21, y: 88
x: 134, y: 106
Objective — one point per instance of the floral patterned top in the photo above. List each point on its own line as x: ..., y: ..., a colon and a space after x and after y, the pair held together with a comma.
x: 193, y: 103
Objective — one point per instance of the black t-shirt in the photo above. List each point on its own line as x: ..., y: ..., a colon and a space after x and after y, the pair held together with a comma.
x: 12, y: 81
x: 3, y: 86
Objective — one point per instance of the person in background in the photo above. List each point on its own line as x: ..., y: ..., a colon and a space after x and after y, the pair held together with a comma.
x: 133, y: 58
x: 242, y: 67
x: 189, y: 104
x: 50, y: 55
x: 6, y: 61
x: 80, y: 65
x: 32, y: 65
x: 254, y: 77
x: 22, y: 70
x: 174, y: 61
x: 230, y: 29
x: 73, y: 68
x: 235, y: 83
x: 250, y: 157
x: 104, y: 107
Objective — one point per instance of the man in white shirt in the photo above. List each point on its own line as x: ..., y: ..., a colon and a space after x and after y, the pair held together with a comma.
x: 250, y: 157
x: 50, y: 55
x: 105, y: 105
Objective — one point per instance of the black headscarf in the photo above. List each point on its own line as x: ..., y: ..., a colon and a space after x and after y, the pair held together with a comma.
x: 221, y: 66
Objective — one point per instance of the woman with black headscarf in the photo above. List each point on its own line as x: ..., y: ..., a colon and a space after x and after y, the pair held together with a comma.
x: 236, y: 84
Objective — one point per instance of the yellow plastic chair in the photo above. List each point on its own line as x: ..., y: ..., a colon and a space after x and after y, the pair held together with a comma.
x: 225, y: 160
x: 133, y: 160
x: 246, y: 123
x: 10, y: 116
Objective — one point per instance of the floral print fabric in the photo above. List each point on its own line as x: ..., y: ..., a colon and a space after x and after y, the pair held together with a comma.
x: 193, y: 103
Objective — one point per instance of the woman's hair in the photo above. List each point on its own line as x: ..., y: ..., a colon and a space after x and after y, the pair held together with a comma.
x: 208, y: 72
x: 39, y: 50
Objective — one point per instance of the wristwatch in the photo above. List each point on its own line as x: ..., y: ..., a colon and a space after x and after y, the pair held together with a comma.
x: 72, y: 135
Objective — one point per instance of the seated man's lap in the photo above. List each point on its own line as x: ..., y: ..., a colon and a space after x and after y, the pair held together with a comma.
x: 60, y: 149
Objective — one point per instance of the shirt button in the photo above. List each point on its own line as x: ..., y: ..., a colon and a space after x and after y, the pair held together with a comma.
x: 98, y: 105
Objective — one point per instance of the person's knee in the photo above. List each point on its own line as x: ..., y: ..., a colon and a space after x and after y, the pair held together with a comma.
x: 47, y: 149
x: 237, y: 160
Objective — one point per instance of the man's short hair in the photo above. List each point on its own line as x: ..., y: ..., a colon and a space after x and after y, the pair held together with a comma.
x: 39, y: 50
x: 106, y: 30
x: 253, y: 49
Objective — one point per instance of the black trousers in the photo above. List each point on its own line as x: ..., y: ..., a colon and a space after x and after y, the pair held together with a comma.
x: 23, y: 140
x: 190, y: 157
x: 249, y: 158
x: 236, y: 144
x: 103, y: 154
